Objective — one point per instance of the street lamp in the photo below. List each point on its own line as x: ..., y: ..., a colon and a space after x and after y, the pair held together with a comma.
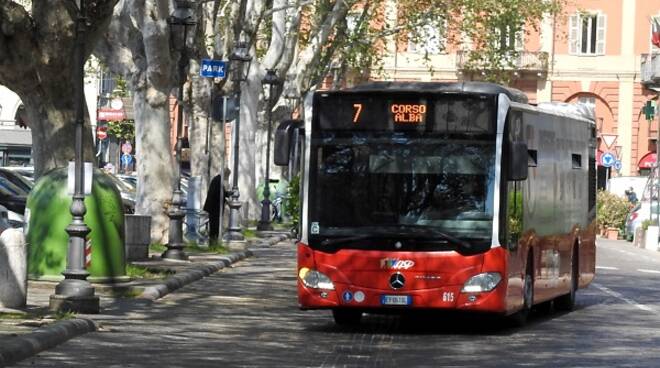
x: 240, y: 66
x: 75, y: 293
x: 270, y: 82
x: 181, y: 21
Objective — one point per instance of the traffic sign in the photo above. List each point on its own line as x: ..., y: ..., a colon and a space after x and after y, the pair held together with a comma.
x: 617, y: 165
x: 607, y: 159
x: 609, y: 139
x: 213, y: 68
x: 102, y: 133
x: 126, y: 159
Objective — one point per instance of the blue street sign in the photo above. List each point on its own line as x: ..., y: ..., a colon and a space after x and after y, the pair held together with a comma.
x: 126, y: 159
x: 607, y: 159
x: 213, y: 68
x: 617, y: 165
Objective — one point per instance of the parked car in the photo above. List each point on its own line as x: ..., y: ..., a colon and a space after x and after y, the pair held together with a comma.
x: 12, y: 197
x: 4, y: 223
x: 127, y: 193
x: 16, y: 178
x: 26, y: 171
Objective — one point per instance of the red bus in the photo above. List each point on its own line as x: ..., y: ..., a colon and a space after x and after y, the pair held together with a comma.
x: 457, y: 196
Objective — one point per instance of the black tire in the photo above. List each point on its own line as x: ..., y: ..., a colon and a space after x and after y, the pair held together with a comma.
x: 566, y: 302
x: 346, y: 317
x: 544, y: 308
x: 519, y: 318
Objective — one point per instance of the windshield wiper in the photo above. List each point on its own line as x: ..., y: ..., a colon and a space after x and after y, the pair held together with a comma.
x: 430, y: 233
x: 344, y: 239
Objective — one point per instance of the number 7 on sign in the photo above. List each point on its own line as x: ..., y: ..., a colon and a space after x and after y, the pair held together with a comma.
x: 358, y: 110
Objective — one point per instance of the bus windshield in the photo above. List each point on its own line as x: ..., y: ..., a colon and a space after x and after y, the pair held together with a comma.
x: 401, y: 180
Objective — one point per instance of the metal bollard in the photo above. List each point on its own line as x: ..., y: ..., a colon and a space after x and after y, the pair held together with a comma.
x: 13, y: 269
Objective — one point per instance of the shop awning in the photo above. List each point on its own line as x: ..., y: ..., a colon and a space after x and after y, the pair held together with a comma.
x: 647, y: 161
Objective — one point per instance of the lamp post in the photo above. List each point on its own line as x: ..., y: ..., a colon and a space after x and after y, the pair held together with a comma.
x: 269, y: 82
x: 181, y: 21
x: 238, y: 61
x: 75, y: 293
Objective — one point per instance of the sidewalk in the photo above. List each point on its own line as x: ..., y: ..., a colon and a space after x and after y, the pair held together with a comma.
x: 26, y: 332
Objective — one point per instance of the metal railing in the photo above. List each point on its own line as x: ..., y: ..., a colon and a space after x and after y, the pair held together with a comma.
x: 523, y: 61
x: 650, y: 69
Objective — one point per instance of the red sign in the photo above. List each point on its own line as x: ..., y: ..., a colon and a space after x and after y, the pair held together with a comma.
x: 102, y: 133
x: 110, y: 115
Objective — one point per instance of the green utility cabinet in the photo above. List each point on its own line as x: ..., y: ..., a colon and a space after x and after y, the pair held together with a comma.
x: 48, y: 215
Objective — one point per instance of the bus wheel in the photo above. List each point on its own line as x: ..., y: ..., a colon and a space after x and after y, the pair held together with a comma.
x: 567, y: 302
x: 346, y: 317
x: 520, y: 318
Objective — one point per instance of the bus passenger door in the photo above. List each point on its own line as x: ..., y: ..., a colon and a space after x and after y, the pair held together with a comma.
x: 513, y: 243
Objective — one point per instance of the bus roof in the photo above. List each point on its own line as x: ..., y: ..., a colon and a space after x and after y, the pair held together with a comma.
x: 453, y: 87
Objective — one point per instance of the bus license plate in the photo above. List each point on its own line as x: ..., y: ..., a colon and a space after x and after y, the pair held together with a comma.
x: 395, y: 299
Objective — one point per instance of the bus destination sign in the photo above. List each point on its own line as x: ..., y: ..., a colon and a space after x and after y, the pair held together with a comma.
x: 408, y: 113
x: 403, y: 112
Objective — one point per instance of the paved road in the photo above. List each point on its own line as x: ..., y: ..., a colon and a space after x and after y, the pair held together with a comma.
x: 247, y: 316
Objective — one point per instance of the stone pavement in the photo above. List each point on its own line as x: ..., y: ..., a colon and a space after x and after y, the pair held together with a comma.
x: 26, y: 332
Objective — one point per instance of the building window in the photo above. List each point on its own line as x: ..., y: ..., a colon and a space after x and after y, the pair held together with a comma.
x: 508, y: 39
x: 587, y: 34
x: 427, y: 41
x: 588, y: 101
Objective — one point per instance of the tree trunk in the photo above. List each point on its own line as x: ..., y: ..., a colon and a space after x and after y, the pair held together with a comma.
x: 155, y: 165
x: 52, y: 123
x: 198, y: 128
x: 248, y: 147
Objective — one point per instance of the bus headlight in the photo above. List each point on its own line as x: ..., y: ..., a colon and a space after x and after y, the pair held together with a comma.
x: 315, y: 279
x: 482, y: 282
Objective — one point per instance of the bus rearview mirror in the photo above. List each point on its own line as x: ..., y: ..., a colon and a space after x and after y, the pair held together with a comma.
x: 284, y: 140
x: 518, y: 161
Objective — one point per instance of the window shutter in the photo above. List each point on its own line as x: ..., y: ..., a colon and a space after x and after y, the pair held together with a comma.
x: 600, y: 34
x: 520, y: 39
x: 574, y: 35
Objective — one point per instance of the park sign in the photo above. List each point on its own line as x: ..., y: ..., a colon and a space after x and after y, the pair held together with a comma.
x: 213, y: 68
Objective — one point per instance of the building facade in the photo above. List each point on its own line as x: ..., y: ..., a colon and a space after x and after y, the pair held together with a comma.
x: 592, y: 54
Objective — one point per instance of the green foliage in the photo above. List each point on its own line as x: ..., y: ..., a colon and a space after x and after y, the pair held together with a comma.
x: 157, y: 248
x: 492, y: 26
x: 292, y: 204
x: 13, y: 315
x: 249, y: 233
x: 215, y: 247
x: 611, y: 210
x: 122, y: 129
x: 64, y: 315
x: 646, y: 224
x: 139, y: 272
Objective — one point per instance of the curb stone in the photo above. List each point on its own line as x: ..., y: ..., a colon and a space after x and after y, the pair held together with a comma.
x: 30, y: 344
x: 181, y: 279
x: 270, y: 241
x: 27, y: 345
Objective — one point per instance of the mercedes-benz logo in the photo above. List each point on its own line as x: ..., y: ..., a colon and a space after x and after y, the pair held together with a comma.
x: 397, y: 281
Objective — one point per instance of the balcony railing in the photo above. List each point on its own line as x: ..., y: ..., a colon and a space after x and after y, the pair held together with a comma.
x: 651, y: 70
x: 524, y: 61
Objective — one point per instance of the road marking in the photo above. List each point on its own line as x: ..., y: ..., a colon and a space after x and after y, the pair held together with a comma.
x: 621, y: 297
x: 607, y: 268
x: 648, y: 271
